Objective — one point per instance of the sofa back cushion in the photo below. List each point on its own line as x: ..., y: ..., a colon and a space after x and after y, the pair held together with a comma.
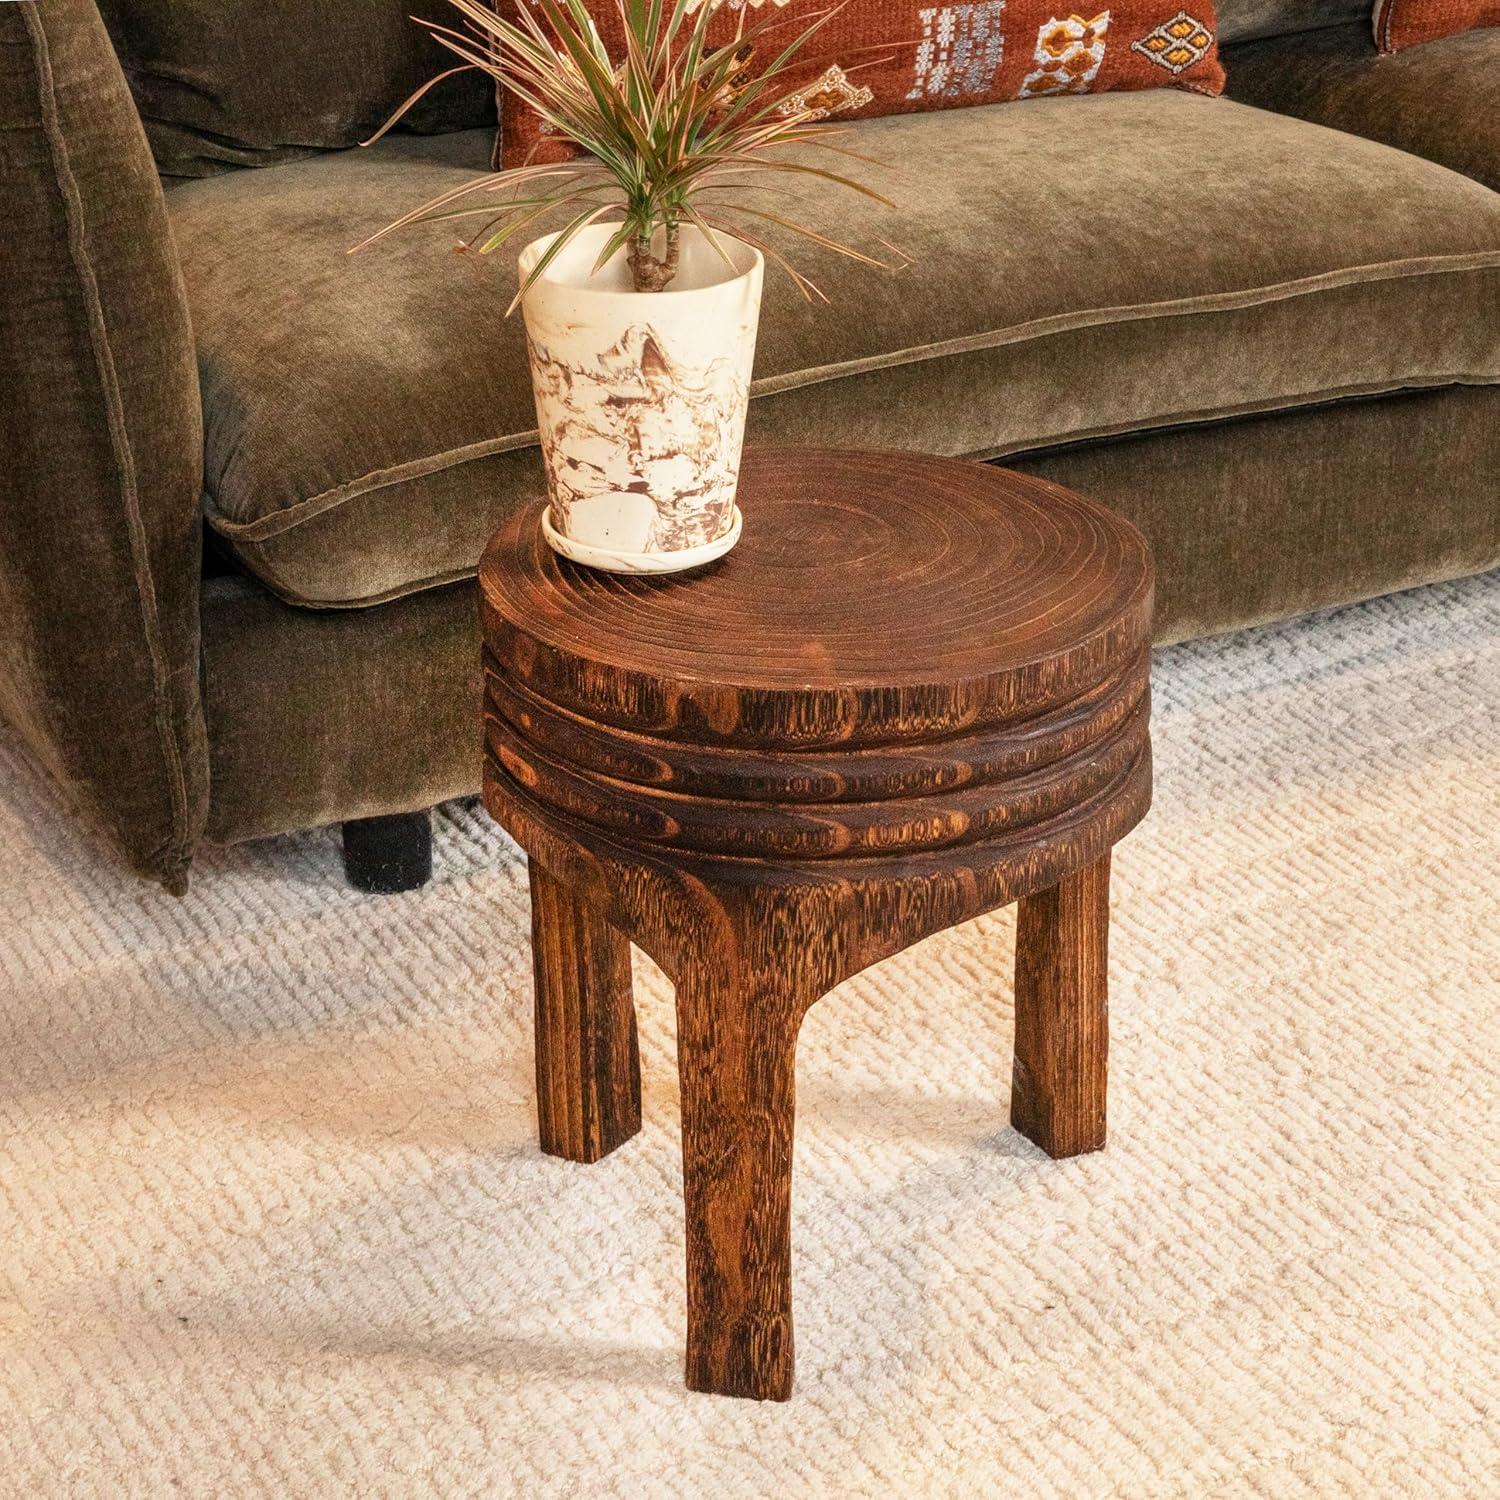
x: 906, y: 57
x: 244, y: 83
x: 1241, y: 19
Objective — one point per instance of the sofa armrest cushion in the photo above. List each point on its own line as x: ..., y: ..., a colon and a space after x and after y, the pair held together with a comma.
x: 1440, y: 101
x: 101, y: 447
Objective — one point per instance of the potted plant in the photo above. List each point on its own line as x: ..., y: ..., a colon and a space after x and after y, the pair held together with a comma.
x: 641, y: 308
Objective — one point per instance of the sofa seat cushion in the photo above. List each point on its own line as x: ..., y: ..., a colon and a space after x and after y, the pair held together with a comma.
x: 1081, y: 267
x: 1440, y: 100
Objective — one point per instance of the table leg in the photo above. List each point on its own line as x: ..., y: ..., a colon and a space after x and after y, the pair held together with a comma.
x: 1062, y: 1014
x: 736, y: 1062
x: 588, y: 1070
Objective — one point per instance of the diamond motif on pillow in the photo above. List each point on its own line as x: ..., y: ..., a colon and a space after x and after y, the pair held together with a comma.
x: 1176, y: 44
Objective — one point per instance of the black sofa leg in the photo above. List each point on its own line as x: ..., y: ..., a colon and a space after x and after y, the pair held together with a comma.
x: 390, y: 854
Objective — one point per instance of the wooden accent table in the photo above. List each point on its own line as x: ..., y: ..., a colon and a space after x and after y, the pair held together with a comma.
x: 916, y: 691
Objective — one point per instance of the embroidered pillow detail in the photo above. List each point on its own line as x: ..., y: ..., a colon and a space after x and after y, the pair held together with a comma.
x: 1407, y: 23
x: 886, y: 57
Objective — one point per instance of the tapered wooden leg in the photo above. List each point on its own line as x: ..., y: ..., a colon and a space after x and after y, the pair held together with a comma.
x: 1062, y: 1014
x: 588, y: 1070
x: 736, y: 1061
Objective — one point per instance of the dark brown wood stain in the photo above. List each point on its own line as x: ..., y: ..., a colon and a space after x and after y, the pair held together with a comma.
x: 917, y: 690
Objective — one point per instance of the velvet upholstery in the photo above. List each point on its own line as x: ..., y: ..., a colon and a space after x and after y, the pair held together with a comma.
x: 320, y: 716
x: 1440, y: 100
x: 101, y: 447
x: 1239, y: 19
x: 247, y: 83
x: 1259, y: 520
x: 370, y: 420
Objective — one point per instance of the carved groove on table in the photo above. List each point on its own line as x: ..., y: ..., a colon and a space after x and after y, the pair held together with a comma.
x: 876, y: 907
x: 809, y: 831
x: 839, y: 774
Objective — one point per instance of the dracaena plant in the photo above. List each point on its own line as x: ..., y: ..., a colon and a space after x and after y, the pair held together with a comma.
x: 676, y: 133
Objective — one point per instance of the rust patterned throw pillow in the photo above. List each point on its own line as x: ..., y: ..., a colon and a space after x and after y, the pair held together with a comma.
x: 887, y: 57
x: 1405, y: 23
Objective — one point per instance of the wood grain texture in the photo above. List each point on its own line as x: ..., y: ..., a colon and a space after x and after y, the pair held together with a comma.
x: 737, y: 1019
x: 917, y: 690
x: 588, y: 1069
x: 1060, y: 1077
x: 874, y: 598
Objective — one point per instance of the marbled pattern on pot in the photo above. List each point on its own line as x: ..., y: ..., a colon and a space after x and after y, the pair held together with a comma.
x: 641, y: 396
x: 634, y: 421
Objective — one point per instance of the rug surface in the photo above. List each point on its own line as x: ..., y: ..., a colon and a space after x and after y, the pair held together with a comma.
x: 273, y: 1221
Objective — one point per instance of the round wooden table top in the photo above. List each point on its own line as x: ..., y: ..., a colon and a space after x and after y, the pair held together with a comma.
x: 874, y: 597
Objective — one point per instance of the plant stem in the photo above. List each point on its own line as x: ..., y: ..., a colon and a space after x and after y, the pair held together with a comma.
x: 647, y: 272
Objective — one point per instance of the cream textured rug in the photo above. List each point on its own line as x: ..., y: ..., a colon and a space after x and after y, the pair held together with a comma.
x: 272, y: 1219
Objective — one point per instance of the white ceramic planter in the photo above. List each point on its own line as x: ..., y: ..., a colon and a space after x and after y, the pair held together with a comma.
x: 640, y: 399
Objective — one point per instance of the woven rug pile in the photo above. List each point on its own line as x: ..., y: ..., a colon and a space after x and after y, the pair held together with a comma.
x: 273, y: 1220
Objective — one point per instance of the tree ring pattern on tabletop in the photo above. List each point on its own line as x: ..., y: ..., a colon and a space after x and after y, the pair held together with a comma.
x: 903, y: 654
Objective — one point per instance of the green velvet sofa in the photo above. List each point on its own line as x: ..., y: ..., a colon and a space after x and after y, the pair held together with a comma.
x: 245, y: 478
